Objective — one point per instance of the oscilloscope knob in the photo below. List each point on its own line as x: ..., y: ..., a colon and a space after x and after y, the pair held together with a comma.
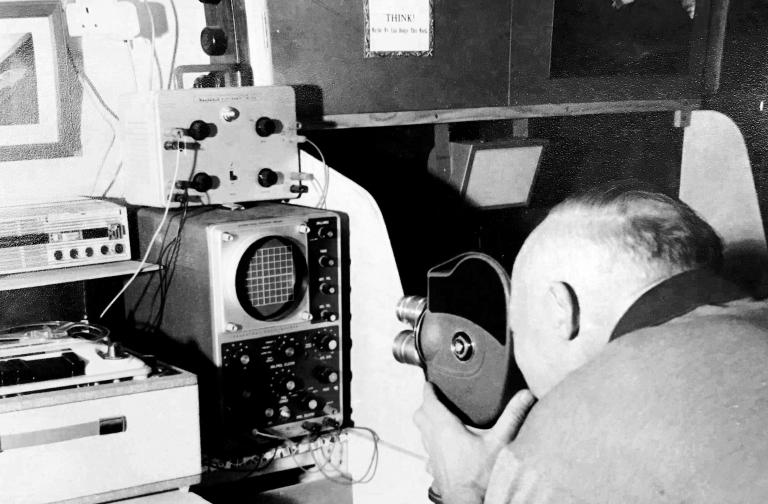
x: 327, y: 288
x: 328, y: 316
x: 267, y: 177
x: 326, y: 232
x: 290, y: 384
x: 310, y: 402
x: 327, y: 374
x: 328, y: 343
x: 326, y: 261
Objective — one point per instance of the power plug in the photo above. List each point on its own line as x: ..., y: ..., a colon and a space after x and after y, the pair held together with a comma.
x: 106, y: 18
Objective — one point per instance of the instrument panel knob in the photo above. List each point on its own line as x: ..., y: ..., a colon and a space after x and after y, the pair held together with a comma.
x: 201, y: 182
x: 328, y: 343
x: 266, y: 126
x: 326, y: 232
x: 326, y: 261
x: 327, y: 288
x: 311, y: 403
x: 214, y: 41
x: 267, y: 177
x: 290, y: 384
x: 327, y: 375
x: 199, y: 130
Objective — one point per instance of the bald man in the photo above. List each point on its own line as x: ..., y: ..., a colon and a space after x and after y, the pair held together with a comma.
x: 651, y: 372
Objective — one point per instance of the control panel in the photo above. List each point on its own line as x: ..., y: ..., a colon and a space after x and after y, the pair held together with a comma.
x: 324, y: 267
x: 211, y: 146
x: 288, y: 384
x: 62, y: 234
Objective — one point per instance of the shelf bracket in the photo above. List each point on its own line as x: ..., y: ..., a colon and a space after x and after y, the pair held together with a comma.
x: 439, y: 163
x: 520, y: 128
x: 682, y: 118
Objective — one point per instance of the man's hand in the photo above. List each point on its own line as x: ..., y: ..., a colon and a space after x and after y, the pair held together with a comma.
x: 460, y: 458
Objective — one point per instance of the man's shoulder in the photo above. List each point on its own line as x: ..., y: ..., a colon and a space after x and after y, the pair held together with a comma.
x: 661, y: 408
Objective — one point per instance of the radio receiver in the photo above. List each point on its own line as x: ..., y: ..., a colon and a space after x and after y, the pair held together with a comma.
x: 211, y: 146
x: 254, y: 301
x: 54, y: 235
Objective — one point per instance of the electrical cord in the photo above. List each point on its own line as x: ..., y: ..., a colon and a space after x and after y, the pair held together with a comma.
x: 339, y: 475
x: 175, y: 43
x: 87, y: 81
x: 151, y: 241
x: 153, y: 50
x: 321, y: 203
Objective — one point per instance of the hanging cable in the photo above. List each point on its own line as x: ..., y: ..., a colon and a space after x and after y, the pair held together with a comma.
x: 321, y: 203
x: 151, y: 241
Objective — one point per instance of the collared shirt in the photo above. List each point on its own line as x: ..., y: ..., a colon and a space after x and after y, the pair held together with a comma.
x: 672, y: 410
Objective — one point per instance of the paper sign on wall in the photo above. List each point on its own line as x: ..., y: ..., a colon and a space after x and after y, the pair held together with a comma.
x: 398, y: 28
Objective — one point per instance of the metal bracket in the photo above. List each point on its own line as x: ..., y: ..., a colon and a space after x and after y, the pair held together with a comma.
x: 682, y: 118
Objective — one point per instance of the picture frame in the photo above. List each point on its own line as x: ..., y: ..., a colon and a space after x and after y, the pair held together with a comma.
x: 40, y: 95
x: 388, y: 46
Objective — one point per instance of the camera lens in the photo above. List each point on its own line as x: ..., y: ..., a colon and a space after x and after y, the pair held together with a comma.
x: 410, y: 308
x: 404, y: 349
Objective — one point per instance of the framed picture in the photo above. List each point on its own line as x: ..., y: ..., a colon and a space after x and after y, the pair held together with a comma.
x: 40, y: 96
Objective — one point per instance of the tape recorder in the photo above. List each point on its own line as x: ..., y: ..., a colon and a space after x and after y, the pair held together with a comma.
x: 55, y: 235
x: 255, y: 301
x: 70, y: 399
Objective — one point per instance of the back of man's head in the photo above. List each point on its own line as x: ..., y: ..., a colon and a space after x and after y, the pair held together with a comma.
x: 661, y: 234
x: 589, y: 260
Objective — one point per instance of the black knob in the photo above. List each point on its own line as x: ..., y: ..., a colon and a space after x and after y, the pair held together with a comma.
x: 265, y: 126
x: 290, y: 351
x: 89, y: 252
x: 327, y: 375
x: 104, y: 250
x: 290, y: 384
x: 119, y: 248
x: 310, y: 403
x: 328, y: 343
x: 214, y: 41
x: 73, y: 253
x: 327, y: 288
x: 328, y: 316
x: 326, y: 261
x: 267, y: 177
x: 201, y: 182
x: 326, y: 232
x: 213, y: 2
x: 199, y: 130
x: 58, y: 255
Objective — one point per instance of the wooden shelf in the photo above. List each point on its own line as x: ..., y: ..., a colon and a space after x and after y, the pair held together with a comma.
x: 73, y: 274
x: 368, y: 120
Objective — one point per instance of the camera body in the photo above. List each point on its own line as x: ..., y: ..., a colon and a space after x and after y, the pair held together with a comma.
x: 459, y: 335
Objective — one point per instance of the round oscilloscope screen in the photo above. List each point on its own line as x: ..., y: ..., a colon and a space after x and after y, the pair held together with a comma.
x: 271, y: 278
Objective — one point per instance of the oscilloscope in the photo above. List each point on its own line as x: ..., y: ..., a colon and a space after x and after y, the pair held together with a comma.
x: 259, y: 296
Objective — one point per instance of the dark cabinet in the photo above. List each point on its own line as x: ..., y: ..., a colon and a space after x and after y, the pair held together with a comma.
x: 321, y: 43
x: 587, y: 50
x: 503, y: 58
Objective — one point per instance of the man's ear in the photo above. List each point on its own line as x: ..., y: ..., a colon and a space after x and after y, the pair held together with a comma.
x: 565, y: 309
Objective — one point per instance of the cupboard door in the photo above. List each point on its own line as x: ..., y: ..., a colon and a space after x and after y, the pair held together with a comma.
x: 320, y: 44
x: 582, y: 51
